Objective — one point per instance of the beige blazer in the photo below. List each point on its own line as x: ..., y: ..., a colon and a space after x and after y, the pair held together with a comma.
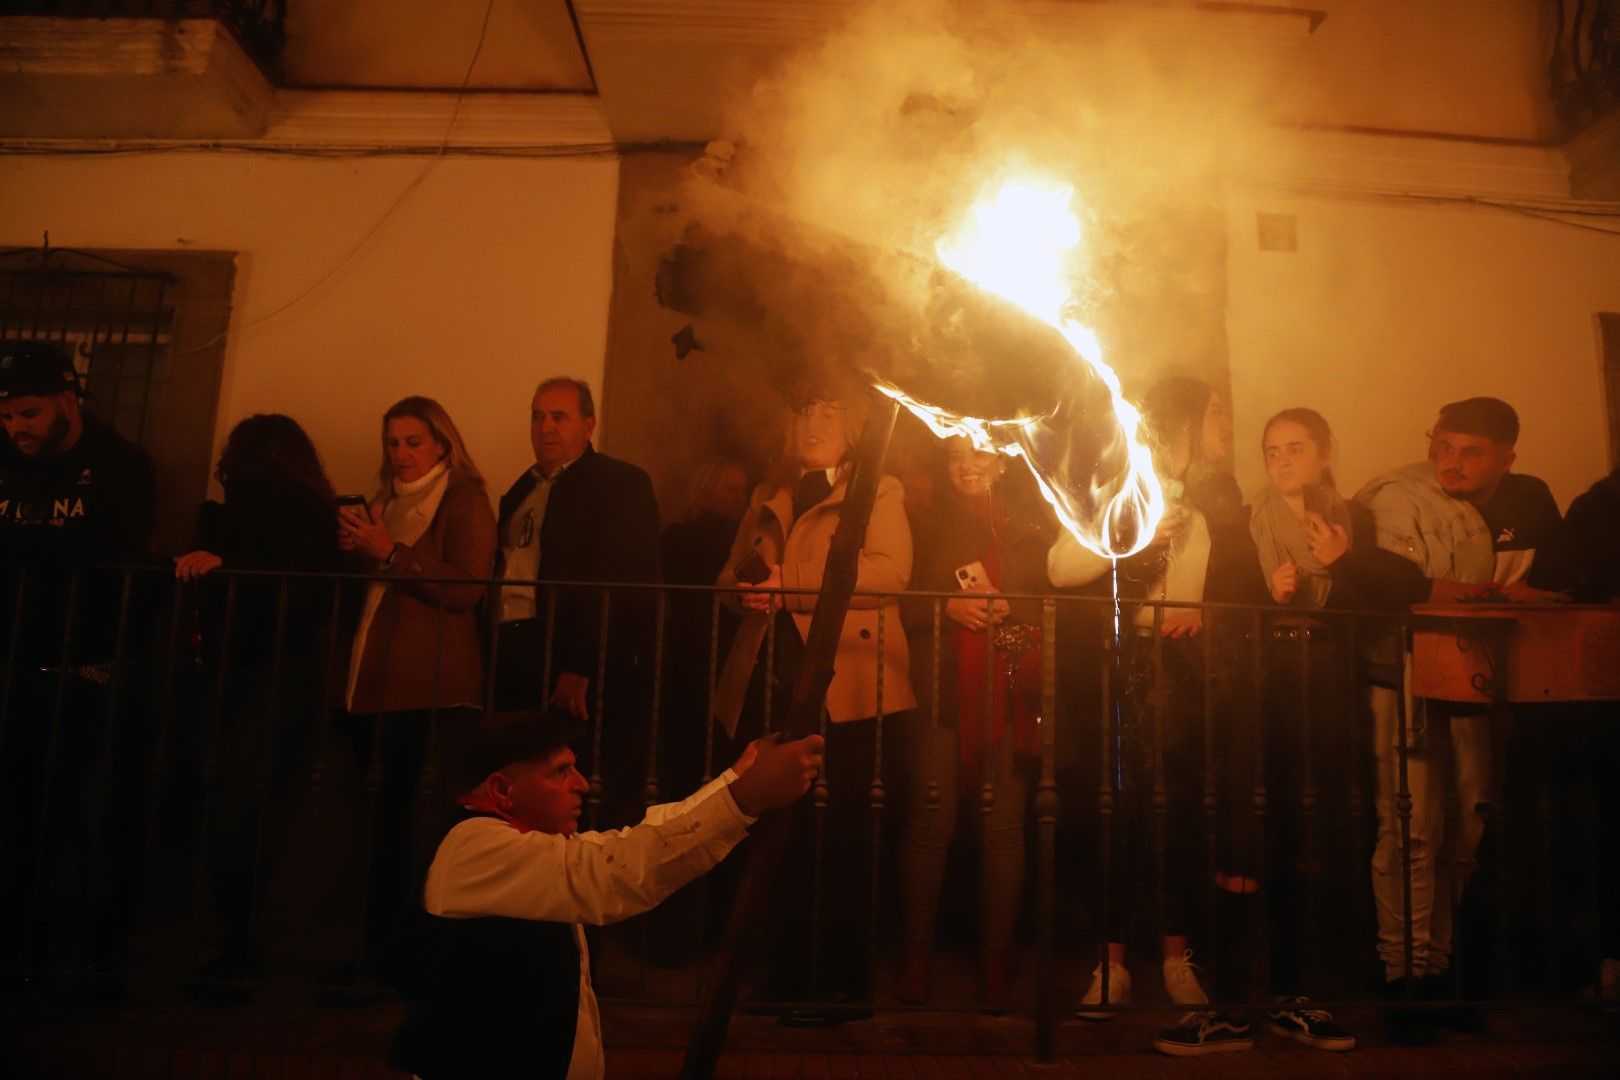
x: 885, y: 566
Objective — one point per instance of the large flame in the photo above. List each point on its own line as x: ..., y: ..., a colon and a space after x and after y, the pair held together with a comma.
x: 1017, y: 244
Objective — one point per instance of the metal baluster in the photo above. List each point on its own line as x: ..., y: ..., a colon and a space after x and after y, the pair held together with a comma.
x: 650, y: 794
x: 1046, y: 815
x: 1212, y: 795
x: 1307, y: 809
x: 1106, y: 800
x: 769, y: 674
x: 649, y: 791
x: 493, y: 664
x: 1157, y: 699
x: 48, y: 769
x: 935, y: 788
x: 1403, y: 802
x: 159, y: 770
x: 109, y: 739
x: 708, y: 763
x: 1544, y: 817
x: 1260, y: 797
x: 818, y: 797
x: 320, y: 772
x: 1355, y: 743
x: 266, y: 772
x: 11, y: 652
x: 374, y: 772
x: 210, y: 771
x: 550, y: 645
x: 427, y: 779
x: 1501, y: 722
x: 987, y: 786
x: 594, y: 795
x: 876, y: 796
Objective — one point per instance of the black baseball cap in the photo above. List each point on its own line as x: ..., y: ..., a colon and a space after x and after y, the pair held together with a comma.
x: 35, y: 369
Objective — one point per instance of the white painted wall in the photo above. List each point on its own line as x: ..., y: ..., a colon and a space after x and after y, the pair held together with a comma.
x: 492, y: 274
x: 1390, y: 309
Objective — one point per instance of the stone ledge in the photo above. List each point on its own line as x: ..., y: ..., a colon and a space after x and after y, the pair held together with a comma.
x: 127, y: 78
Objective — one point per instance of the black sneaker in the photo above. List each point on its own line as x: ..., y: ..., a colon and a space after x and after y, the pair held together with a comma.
x: 1295, y: 1019
x: 1405, y: 1024
x: 1200, y: 1033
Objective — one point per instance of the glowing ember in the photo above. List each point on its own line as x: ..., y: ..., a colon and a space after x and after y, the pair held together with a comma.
x: 1017, y: 245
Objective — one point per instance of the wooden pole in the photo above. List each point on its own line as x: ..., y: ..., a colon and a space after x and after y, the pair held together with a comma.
x: 804, y: 718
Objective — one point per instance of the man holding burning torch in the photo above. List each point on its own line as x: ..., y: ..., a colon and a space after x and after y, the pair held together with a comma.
x: 495, y: 968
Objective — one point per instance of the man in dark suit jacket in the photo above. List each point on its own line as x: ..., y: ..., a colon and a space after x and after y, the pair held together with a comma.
x: 578, y: 516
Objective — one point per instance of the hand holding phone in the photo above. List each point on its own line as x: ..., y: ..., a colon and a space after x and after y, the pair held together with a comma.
x: 753, y: 569
x: 1316, y: 500
x: 973, y: 577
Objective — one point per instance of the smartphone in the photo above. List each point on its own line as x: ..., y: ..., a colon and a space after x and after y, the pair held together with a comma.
x: 973, y: 577
x: 353, y: 500
x: 1316, y: 499
x: 753, y: 569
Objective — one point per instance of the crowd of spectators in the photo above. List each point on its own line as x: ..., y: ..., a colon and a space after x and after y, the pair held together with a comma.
x: 938, y: 695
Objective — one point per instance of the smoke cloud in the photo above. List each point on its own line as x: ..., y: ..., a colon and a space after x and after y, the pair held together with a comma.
x: 805, y: 243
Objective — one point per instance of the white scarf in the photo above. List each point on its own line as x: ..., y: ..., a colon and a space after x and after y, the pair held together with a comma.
x: 407, y: 512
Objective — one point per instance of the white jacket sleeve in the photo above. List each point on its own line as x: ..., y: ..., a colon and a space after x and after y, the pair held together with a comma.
x: 486, y: 867
x: 1069, y: 565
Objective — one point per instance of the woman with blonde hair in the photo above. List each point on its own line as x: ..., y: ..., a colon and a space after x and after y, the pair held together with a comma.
x: 783, y: 542
x: 428, y: 536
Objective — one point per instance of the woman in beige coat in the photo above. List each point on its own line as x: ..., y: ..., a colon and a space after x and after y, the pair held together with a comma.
x: 790, y: 524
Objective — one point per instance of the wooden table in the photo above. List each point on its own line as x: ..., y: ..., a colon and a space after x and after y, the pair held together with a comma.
x: 1491, y: 653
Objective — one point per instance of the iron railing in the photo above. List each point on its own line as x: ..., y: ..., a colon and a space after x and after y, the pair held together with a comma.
x: 181, y: 777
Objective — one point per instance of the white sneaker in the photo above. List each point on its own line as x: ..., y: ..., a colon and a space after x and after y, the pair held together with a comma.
x: 1181, y: 983
x: 1119, y: 992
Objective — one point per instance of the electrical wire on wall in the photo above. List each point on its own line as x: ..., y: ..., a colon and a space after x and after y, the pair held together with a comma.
x: 371, y: 233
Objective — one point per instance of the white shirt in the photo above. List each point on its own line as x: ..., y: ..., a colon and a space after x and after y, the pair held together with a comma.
x: 520, y: 546
x: 484, y: 866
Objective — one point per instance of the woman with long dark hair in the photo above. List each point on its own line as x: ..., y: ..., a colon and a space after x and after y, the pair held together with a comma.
x: 978, y: 539
x: 277, y: 515
x: 1202, y: 551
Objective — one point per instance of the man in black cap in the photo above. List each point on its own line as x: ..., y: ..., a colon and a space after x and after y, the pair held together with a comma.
x: 72, y: 490
x: 1470, y: 523
x: 496, y: 972
x: 74, y: 494
x: 1472, y: 450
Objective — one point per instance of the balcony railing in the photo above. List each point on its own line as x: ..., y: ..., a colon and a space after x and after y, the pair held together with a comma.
x: 182, y: 780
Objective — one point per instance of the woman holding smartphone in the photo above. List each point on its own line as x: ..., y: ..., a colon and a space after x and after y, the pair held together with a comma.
x: 975, y: 541
x: 416, y: 665
x: 783, y: 542
x: 1317, y: 552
